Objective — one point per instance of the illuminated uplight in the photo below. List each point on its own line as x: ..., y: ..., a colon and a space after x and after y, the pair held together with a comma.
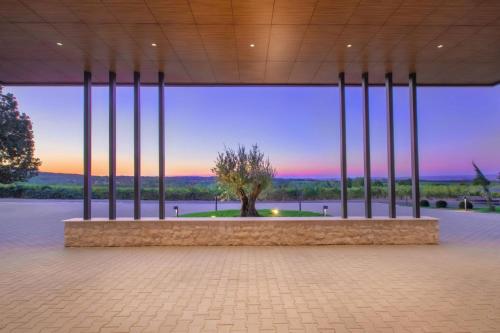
x: 349, y: 45
x: 440, y: 46
x: 154, y: 44
x: 59, y: 44
x: 252, y: 45
x: 213, y: 216
x: 275, y: 211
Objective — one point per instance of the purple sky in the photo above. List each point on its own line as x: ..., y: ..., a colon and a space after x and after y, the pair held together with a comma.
x: 296, y: 126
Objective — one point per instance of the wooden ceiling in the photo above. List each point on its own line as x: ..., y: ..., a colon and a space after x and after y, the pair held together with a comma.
x: 208, y: 41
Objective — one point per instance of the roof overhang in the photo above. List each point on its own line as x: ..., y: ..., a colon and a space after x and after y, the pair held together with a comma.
x: 247, y: 42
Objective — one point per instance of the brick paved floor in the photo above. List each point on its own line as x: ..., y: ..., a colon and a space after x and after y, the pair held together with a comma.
x: 44, y: 287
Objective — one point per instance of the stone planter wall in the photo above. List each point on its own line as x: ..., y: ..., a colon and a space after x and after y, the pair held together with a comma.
x: 251, y: 231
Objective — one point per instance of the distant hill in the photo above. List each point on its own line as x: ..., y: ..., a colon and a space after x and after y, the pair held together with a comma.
x: 69, y: 186
x: 48, y: 178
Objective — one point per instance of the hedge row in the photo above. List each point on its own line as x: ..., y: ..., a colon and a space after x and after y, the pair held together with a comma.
x: 207, y: 192
x: 30, y: 191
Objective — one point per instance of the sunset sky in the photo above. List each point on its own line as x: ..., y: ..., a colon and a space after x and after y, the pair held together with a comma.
x: 298, y: 127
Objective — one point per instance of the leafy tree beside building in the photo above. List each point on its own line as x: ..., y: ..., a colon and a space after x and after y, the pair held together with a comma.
x: 17, y: 145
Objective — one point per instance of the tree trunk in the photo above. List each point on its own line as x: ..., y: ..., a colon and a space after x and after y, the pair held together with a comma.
x: 248, y: 202
x: 244, y: 203
x: 251, y: 210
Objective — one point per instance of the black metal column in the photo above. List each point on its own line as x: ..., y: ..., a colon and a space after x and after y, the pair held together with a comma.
x: 87, y: 144
x: 415, y: 178
x: 137, y: 145
x: 161, y: 144
x: 366, y: 146
x: 391, y: 178
x: 112, y: 146
x: 343, y: 148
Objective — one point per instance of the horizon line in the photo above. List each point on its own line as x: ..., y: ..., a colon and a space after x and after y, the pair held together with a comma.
x: 279, y: 177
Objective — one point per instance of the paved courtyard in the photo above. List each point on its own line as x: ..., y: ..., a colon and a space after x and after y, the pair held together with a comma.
x: 44, y: 287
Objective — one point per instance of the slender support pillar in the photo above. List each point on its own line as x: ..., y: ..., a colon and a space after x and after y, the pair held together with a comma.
x: 161, y: 144
x: 415, y: 178
x: 366, y: 146
x: 391, y: 178
x: 343, y: 149
x: 137, y: 146
x: 112, y: 146
x: 87, y: 144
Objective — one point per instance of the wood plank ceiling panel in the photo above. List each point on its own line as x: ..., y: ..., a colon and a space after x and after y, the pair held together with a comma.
x: 252, y: 11
x: 171, y: 11
x: 293, y: 11
x: 250, y: 41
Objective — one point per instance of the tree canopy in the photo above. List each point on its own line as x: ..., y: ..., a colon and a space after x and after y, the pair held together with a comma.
x: 246, y: 173
x: 17, y: 146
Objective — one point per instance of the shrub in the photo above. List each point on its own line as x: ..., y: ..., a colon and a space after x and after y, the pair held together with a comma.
x: 424, y: 203
x: 461, y: 205
x: 441, y: 204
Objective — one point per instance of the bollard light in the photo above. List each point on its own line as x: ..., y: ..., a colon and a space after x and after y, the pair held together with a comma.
x: 176, y: 209
x: 216, y: 201
x: 465, y: 204
x: 325, y: 210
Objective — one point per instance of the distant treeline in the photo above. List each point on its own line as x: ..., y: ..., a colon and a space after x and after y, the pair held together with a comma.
x: 54, y: 186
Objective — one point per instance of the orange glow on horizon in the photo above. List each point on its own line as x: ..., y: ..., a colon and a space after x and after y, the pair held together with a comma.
x: 74, y: 165
x: 124, y: 168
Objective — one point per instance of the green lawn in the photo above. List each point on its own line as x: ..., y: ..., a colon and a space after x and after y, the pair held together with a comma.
x: 487, y: 210
x: 477, y: 210
x: 262, y: 212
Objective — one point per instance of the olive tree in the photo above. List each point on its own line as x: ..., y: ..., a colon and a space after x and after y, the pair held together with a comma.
x: 17, y: 146
x: 246, y: 173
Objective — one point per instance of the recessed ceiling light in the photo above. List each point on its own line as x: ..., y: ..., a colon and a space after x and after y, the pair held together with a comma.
x: 440, y: 46
x: 252, y: 45
x: 154, y: 44
x: 59, y: 44
x: 349, y: 45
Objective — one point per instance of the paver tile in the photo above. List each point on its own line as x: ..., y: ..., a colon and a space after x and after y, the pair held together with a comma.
x: 452, y: 287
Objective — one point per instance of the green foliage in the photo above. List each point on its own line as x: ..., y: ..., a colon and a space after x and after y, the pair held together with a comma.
x: 57, y: 186
x: 448, y: 190
x: 441, y: 204
x: 487, y: 210
x: 242, y: 170
x: 358, y: 182
x: 262, y: 212
x: 17, y: 146
x: 244, y: 174
x: 403, y: 191
x: 404, y: 182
